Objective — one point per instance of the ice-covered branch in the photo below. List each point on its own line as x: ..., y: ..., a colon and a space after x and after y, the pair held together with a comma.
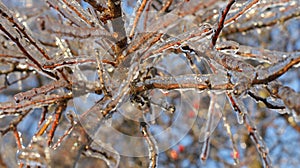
x: 12, y: 108
x: 243, y: 118
x: 28, y: 95
x: 137, y: 17
x: 152, y: 146
x: 265, y: 14
x: 222, y: 18
x: 75, y: 32
x: 290, y: 98
x: 200, y: 82
x: 104, y: 152
x: 58, y: 112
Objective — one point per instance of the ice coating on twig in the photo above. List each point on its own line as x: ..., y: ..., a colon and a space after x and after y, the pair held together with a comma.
x: 105, y: 152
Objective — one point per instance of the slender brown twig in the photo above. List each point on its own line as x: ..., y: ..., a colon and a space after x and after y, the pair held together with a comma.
x: 137, y: 17
x: 60, y: 108
x: 221, y: 22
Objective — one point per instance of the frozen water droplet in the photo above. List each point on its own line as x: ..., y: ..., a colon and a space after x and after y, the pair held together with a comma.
x: 296, y: 116
x: 240, y: 117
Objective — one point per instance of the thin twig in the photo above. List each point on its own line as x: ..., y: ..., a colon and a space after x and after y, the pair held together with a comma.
x: 58, y: 112
x: 264, y: 100
x: 282, y: 68
x: 26, y: 53
x: 137, y: 17
x: 18, y: 138
x: 41, y: 90
x: 166, y: 6
x: 13, y: 124
x: 152, y: 146
x: 43, y: 116
x: 67, y: 132
x: 253, y: 134
x: 44, y: 126
x: 245, y: 8
x: 73, y: 8
x: 221, y: 22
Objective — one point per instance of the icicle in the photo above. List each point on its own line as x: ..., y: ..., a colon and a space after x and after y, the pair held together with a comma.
x: 206, y: 144
x: 238, y: 106
x: 205, y: 150
x: 216, y: 106
x: 242, y: 112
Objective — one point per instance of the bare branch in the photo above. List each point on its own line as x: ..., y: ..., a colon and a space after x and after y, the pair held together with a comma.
x: 58, y: 112
x: 221, y: 22
x: 153, y: 149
